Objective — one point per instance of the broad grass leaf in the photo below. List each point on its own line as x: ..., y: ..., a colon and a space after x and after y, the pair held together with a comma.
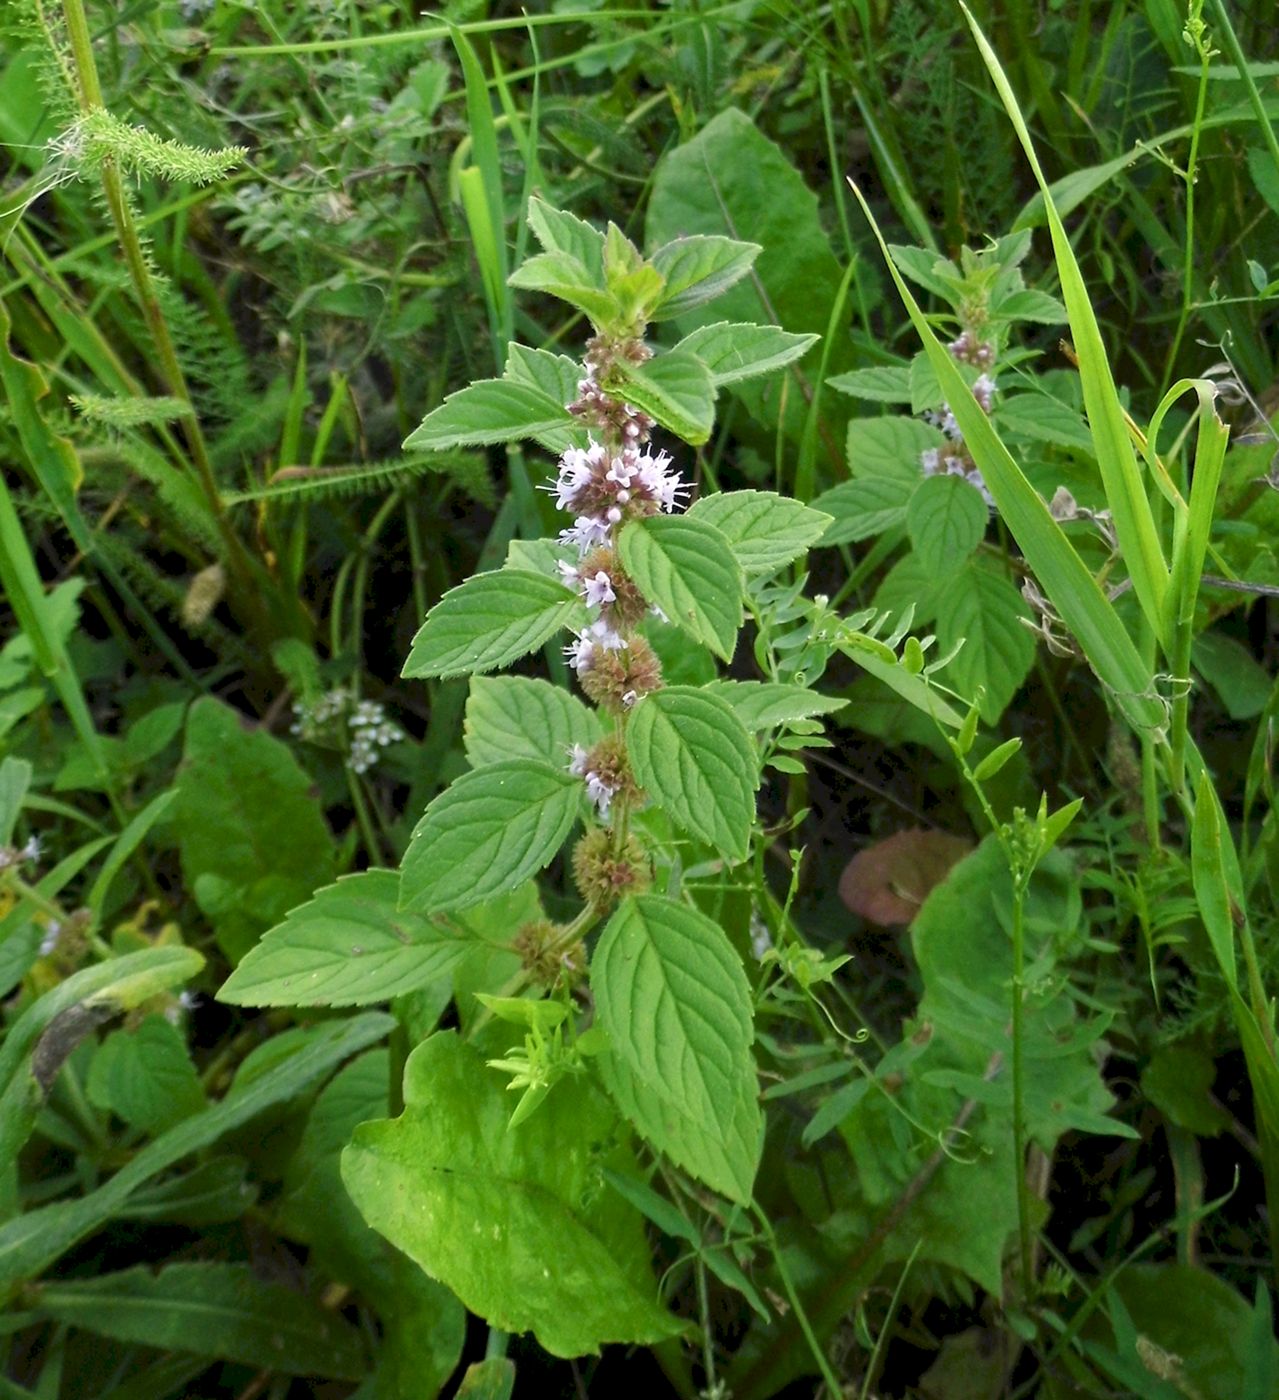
x: 488, y: 833
x: 29, y: 1243
x: 946, y: 518
x: 511, y: 1220
x: 489, y: 621
x: 349, y: 946
x: 489, y: 411
x: 688, y: 569
x: 673, y: 387
x: 211, y: 1309
x: 694, y: 758
x: 764, y: 530
x: 671, y: 993
x: 733, y: 351
x: 982, y: 609
x: 519, y: 717
x: 698, y: 269
x: 238, y: 790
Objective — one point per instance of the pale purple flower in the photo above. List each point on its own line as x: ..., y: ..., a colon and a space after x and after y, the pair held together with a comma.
x: 598, y: 789
x: 586, y: 533
x: 599, y: 590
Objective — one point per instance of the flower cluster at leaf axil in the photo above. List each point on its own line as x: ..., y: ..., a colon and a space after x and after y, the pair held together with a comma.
x: 614, y: 479
x: 953, y: 458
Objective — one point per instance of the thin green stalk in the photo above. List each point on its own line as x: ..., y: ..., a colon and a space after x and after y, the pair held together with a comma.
x: 1250, y: 87
x: 1019, y: 1089
x: 90, y: 98
x: 797, y: 1307
x: 1191, y: 174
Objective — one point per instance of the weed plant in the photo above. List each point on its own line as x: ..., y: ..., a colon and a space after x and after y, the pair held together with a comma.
x: 637, y: 700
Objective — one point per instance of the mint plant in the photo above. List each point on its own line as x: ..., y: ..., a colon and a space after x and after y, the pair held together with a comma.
x: 648, y: 1030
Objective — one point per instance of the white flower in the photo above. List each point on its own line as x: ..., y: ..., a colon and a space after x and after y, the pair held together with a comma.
x: 567, y: 572
x: 984, y: 391
x: 577, y: 761
x: 600, y: 792
x: 605, y: 637
x: 599, y: 590
x: 586, y: 533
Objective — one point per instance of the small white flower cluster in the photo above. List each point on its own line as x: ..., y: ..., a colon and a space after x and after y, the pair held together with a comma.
x: 11, y: 856
x: 598, y: 789
x: 602, y: 491
x: 52, y: 933
x: 365, y: 723
x: 370, y: 732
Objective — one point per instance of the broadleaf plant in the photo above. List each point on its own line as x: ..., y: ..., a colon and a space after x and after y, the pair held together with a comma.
x: 661, y: 778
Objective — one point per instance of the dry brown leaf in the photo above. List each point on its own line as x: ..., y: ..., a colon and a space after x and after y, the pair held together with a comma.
x: 887, y: 882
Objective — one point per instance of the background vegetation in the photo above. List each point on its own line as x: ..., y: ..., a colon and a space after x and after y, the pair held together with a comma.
x: 244, y: 249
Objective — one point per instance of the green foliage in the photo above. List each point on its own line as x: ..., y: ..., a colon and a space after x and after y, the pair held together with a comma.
x: 876, y: 602
x: 449, y: 1172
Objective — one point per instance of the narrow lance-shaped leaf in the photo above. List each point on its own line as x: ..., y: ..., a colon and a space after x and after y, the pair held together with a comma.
x: 490, y: 620
x: 1125, y: 491
x: 487, y: 833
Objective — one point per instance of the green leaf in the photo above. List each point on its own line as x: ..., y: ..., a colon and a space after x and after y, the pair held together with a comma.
x: 698, y: 269
x: 211, y: 1309
x: 890, y: 447
x: 557, y: 377
x: 766, y: 704
x: 144, y: 1075
x: 15, y: 778
x: 734, y: 351
x: 764, y: 530
x: 488, y: 833
x: 687, y: 568
x: 489, y: 621
x: 517, y: 717
x: 561, y: 275
x: 560, y: 232
x: 984, y: 611
x: 673, y: 387
x: 731, y: 176
x: 349, y: 946
x: 1043, y: 418
x: 671, y: 993
x: 1242, y: 685
x: 510, y: 1219
x: 491, y: 410
x: 865, y: 507
x: 946, y: 518
x: 1030, y: 304
x: 935, y: 274
x: 238, y: 789
x: 694, y: 758
x: 879, y: 383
